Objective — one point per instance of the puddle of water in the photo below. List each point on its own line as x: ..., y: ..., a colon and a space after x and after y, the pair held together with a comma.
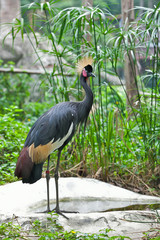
x: 96, y: 205
x: 137, y: 207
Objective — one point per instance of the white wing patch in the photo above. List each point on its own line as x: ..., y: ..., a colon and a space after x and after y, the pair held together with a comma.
x: 40, y: 153
x: 59, y: 142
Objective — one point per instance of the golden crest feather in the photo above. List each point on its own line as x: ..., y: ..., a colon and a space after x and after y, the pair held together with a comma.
x: 84, y: 62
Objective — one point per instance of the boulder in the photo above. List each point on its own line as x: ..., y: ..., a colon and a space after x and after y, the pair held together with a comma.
x: 93, y: 200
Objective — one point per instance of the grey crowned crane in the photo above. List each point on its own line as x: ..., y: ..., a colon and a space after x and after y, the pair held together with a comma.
x: 53, y: 131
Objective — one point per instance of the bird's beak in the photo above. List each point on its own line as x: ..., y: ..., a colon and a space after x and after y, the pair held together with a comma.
x: 92, y: 75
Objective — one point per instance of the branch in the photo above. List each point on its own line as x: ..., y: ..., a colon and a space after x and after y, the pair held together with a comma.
x: 30, y: 71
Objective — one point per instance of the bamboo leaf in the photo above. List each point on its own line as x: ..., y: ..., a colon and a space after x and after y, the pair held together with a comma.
x: 22, y: 27
x: 42, y: 6
x: 31, y: 5
x: 62, y: 30
x: 35, y: 37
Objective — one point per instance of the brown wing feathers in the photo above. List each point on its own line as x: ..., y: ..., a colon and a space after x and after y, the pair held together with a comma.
x: 40, y: 153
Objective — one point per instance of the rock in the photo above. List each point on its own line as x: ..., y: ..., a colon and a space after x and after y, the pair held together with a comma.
x: 30, y: 56
x: 127, y: 223
x: 76, y: 194
x: 7, y: 53
x: 88, y: 196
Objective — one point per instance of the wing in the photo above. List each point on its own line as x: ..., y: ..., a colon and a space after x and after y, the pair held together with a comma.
x: 51, y: 131
x: 52, y: 125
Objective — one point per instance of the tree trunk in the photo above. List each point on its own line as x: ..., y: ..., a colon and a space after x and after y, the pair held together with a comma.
x: 9, y: 9
x: 129, y: 68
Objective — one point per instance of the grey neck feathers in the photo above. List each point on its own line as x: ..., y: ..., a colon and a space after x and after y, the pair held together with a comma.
x: 86, y: 104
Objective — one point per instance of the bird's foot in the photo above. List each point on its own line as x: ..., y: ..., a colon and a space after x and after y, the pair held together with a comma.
x: 60, y: 212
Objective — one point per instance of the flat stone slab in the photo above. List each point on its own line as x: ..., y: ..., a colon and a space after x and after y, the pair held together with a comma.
x: 87, y: 196
x: 76, y: 194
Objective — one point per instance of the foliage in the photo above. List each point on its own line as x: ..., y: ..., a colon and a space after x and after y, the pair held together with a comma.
x: 109, y: 146
x: 50, y: 230
x: 12, y: 135
x: 116, y: 136
x: 15, y: 87
x: 113, y: 5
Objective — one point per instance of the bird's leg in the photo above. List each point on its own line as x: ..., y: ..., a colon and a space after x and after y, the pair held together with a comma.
x: 56, y: 183
x: 57, y: 209
x: 47, y: 180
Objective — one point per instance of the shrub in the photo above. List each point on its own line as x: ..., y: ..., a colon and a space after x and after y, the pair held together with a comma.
x: 12, y: 135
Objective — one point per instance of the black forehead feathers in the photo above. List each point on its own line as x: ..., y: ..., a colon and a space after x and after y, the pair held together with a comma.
x: 89, y: 68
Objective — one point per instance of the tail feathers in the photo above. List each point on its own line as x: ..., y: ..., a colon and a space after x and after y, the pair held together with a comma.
x: 26, y: 169
x: 35, y: 175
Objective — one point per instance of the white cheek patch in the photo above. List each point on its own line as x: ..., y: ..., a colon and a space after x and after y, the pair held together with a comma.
x: 84, y: 73
x: 60, y: 142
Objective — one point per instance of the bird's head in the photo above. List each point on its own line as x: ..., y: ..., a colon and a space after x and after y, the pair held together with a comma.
x: 87, y: 71
x: 84, y: 67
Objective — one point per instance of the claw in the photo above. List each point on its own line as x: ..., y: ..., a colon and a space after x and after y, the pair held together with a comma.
x: 59, y: 212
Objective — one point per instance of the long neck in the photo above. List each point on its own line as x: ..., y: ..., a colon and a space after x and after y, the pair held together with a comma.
x: 86, y: 104
x: 88, y: 100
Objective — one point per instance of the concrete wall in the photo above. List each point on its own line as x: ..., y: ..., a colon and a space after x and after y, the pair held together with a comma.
x: 9, y: 9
